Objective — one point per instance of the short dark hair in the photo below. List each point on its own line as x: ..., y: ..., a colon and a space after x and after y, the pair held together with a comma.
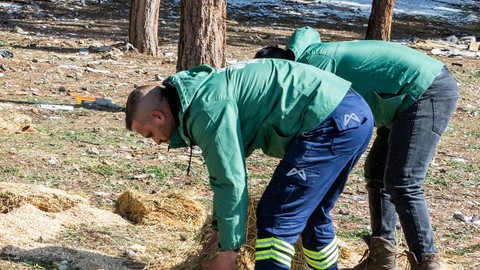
x: 132, y: 107
x: 275, y: 52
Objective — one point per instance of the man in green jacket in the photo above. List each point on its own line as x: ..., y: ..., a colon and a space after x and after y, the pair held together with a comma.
x: 412, y: 97
x: 308, y: 118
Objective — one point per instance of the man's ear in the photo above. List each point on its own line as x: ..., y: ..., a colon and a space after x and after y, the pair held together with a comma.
x: 157, y: 115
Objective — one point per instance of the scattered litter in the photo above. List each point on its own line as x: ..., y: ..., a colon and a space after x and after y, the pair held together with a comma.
x: 452, y: 46
x: 81, y: 99
x: 138, y: 248
x: 56, y: 107
x: 5, y: 54
x: 20, y: 31
x: 460, y: 160
x: 473, y: 219
x: 97, y: 70
x: 474, y: 46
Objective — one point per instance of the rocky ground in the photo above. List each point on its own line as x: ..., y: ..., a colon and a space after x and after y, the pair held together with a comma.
x: 63, y: 50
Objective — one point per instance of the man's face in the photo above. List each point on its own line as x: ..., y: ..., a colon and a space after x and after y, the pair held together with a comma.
x: 159, y: 127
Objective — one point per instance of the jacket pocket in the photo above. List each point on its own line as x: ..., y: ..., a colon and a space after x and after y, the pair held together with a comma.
x: 385, y: 108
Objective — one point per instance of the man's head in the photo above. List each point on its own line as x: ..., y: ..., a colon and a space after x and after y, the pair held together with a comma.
x: 275, y: 52
x: 148, y: 113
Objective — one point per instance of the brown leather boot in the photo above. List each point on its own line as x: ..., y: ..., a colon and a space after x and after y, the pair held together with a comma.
x: 380, y: 255
x: 429, y: 262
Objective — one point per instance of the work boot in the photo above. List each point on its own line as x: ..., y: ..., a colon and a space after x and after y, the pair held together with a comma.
x: 380, y: 255
x: 429, y: 261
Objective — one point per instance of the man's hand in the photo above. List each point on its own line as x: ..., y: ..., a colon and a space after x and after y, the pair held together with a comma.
x: 225, y: 260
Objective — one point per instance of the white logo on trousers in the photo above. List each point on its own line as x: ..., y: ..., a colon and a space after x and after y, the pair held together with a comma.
x: 301, y: 173
x: 348, y: 117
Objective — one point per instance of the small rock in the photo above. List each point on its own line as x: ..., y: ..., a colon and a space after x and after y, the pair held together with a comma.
x: 20, y: 30
x: 145, y: 175
x: 101, y: 194
x: 137, y: 248
x: 358, y: 198
x: 459, y: 215
x: 93, y: 151
x: 343, y: 212
x: 52, y: 161
x: 130, y: 254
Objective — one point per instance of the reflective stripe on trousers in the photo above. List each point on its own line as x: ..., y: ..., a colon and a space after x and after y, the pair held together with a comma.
x: 324, y: 258
x: 274, y: 249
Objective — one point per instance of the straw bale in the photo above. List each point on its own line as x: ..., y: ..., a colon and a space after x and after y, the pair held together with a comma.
x: 15, y: 195
x: 172, y: 211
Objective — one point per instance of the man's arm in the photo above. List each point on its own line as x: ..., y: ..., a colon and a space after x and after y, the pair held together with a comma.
x: 216, y: 130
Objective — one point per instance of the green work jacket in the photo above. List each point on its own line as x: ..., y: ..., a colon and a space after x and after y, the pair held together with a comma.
x: 390, y: 76
x: 258, y: 104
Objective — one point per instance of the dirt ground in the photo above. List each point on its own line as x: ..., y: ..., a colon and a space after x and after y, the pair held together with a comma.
x: 62, y: 50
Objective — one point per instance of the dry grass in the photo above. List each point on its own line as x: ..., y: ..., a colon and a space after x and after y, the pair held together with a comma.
x: 172, y: 211
x: 15, y: 195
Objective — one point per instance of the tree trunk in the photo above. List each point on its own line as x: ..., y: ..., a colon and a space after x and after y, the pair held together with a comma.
x: 202, y: 33
x: 143, y: 32
x: 380, y: 21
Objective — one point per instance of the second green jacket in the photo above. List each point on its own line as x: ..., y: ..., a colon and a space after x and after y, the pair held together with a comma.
x: 390, y: 76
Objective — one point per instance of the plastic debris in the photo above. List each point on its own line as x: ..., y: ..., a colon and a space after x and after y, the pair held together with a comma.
x: 5, y: 54
x: 56, y: 107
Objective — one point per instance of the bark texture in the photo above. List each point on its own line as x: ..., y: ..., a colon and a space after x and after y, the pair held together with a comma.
x: 380, y: 21
x: 202, y: 33
x: 143, y: 32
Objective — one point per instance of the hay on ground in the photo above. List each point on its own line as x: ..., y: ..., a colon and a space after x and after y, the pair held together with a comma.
x: 15, y: 195
x: 172, y: 211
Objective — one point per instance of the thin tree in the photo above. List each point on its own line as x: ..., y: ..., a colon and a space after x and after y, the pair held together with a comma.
x: 143, y: 32
x: 380, y: 21
x: 202, y: 33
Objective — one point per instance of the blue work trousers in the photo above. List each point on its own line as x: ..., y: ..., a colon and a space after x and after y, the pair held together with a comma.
x: 397, y: 164
x: 305, y: 186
